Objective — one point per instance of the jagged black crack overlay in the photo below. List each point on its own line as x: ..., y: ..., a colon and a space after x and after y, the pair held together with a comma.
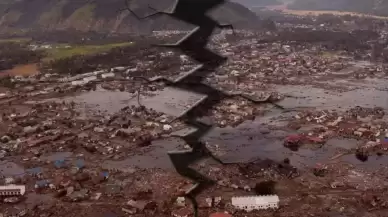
x: 194, y: 45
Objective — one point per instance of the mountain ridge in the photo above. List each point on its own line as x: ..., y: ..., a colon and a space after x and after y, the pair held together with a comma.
x: 101, y: 16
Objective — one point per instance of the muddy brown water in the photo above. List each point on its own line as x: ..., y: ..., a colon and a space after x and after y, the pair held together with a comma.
x: 23, y: 70
x: 170, y: 101
x: 9, y: 169
x: 155, y: 156
x: 310, y: 97
x: 252, y: 139
x: 56, y: 156
x: 244, y: 145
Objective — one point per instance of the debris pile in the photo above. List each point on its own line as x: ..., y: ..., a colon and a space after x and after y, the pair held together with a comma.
x: 90, y: 135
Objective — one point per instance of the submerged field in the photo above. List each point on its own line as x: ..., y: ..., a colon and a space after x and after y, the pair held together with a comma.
x: 64, y: 51
x: 339, y: 13
x: 22, y: 56
x: 87, y: 138
x: 283, y: 8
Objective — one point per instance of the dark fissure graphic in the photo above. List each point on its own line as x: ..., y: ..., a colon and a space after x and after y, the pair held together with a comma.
x: 194, y: 45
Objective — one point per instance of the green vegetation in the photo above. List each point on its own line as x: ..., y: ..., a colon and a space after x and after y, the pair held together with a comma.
x: 65, y: 51
x: 17, y: 54
x: 330, y: 54
x: 15, y: 40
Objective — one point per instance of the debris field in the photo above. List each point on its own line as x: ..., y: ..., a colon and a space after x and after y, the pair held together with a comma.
x: 95, y: 143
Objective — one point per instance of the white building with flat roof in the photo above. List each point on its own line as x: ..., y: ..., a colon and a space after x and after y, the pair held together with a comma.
x: 250, y: 203
x: 12, y: 190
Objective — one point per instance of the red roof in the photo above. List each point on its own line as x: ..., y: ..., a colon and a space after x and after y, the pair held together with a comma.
x: 220, y: 214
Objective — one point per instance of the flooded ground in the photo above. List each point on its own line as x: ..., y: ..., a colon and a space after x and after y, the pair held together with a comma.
x: 316, y: 13
x: 284, y: 9
x: 321, y: 98
x: 170, y: 101
x: 86, y: 147
x: 11, y: 169
x: 252, y: 139
x: 106, y: 101
x: 262, y: 138
x: 154, y: 156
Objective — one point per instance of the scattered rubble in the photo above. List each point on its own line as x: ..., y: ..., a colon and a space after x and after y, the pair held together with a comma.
x: 220, y: 215
x: 60, y: 130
